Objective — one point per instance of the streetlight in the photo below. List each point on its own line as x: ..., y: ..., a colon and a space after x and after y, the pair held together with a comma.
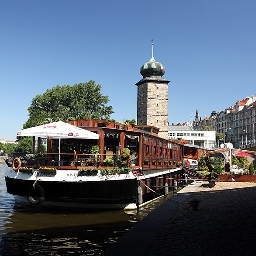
x: 246, y: 135
x: 244, y: 131
x: 230, y: 147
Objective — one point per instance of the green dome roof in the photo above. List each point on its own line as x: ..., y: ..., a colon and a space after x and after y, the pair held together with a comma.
x: 152, y: 68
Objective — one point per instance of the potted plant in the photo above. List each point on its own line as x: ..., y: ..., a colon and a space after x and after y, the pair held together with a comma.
x: 203, y: 174
x: 203, y: 169
x: 94, y: 157
x: 125, y: 158
x: 90, y: 161
x: 88, y: 172
x: 108, y: 161
x: 95, y: 149
x: 108, y: 171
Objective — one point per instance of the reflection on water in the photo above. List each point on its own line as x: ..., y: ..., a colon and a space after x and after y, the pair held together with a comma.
x: 26, y: 231
x: 62, y: 241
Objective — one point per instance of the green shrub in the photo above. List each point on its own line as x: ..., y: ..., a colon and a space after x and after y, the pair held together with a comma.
x: 202, y: 164
x: 108, y: 161
x: 251, y: 169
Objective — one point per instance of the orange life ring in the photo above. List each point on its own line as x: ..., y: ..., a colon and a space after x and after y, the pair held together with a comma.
x: 16, y: 164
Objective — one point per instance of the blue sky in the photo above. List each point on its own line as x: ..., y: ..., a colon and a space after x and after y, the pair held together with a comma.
x: 207, y: 47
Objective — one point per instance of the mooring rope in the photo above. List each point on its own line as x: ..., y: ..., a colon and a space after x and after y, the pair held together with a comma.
x: 149, y: 188
x: 35, y: 174
x: 17, y: 174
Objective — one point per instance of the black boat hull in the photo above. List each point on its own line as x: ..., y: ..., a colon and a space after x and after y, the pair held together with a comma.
x: 107, y: 193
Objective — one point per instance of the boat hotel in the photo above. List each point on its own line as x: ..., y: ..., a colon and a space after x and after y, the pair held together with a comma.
x: 97, y: 164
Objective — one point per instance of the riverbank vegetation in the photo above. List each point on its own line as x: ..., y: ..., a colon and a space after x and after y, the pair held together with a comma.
x: 208, y: 165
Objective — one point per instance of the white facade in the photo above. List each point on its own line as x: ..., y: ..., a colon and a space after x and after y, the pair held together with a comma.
x: 3, y: 141
x: 206, y: 139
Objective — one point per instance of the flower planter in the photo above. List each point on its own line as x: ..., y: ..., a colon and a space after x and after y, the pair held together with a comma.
x: 201, y: 177
x: 236, y: 177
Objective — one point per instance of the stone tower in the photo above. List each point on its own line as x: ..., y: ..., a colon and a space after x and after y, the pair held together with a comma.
x: 152, y: 96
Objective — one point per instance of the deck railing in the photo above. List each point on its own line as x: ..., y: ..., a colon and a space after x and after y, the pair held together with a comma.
x: 78, y: 161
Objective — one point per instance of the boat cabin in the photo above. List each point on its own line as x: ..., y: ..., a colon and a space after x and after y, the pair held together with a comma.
x: 146, y: 149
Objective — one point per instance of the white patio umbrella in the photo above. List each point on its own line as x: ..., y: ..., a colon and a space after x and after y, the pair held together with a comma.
x: 58, y: 130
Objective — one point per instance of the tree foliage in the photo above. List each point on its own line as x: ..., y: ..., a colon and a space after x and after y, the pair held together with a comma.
x: 251, y: 169
x: 208, y: 128
x: 208, y: 164
x: 132, y: 121
x: 220, y: 136
x: 24, y: 145
x: 7, y: 147
x: 202, y: 164
x: 217, y: 164
x: 80, y: 101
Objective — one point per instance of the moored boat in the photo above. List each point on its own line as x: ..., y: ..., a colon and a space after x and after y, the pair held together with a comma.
x: 95, y: 164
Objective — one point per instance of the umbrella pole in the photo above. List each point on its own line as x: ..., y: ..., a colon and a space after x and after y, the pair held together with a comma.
x: 59, y: 153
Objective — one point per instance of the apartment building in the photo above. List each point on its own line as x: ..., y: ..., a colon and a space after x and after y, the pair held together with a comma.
x: 236, y: 123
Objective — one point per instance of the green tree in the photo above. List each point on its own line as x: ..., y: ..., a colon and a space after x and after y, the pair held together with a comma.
x: 220, y: 136
x: 208, y: 128
x: 80, y: 101
x: 7, y: 147
x: 24, y: 145
x: 132, y: 121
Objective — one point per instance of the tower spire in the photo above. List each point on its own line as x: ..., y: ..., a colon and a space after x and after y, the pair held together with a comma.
x: 152, y: 51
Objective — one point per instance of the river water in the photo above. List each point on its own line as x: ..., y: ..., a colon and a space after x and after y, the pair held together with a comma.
x: 30, y: 231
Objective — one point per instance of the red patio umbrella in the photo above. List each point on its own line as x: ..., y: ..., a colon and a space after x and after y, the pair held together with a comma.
x: 242, y: 154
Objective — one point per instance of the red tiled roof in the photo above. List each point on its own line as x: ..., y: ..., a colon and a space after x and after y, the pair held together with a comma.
x: 242, y: 102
